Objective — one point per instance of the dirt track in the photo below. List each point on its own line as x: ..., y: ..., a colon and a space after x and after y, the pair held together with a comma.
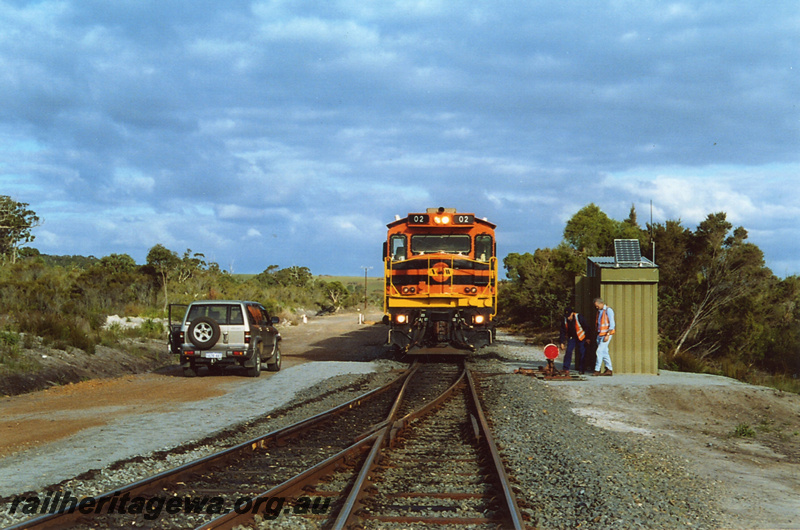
x: 37, y: 418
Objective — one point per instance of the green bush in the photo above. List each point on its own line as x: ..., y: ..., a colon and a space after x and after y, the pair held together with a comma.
x: 9, y: 339
x: 11, y: 358
x: 59, y: 331
x: 151, y: 329
x: 686, y: 362
x: 743, y: 430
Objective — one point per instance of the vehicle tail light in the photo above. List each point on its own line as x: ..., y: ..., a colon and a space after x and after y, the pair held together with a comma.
x: 188, y: 352
x: 247, y: 337
x: 238, y: 353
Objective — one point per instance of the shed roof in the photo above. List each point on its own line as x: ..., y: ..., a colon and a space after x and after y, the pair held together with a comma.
x: 609, y: 262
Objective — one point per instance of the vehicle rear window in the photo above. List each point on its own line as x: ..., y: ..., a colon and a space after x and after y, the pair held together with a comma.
x: 223, y: 314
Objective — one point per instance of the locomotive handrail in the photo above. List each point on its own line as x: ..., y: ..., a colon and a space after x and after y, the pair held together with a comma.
x: 493, y: 281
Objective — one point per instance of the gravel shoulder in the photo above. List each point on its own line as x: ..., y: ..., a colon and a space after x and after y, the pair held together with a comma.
x: 754, y: 481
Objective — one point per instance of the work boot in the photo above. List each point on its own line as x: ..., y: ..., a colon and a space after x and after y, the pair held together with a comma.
x: 596, y: 373
x: 608, y: 372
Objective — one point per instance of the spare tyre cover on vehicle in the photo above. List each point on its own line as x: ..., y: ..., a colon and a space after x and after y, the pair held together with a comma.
x: 203, y: 332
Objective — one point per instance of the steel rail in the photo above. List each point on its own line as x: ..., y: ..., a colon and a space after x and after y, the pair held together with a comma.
x: 68, y: 515
x: 505, y: 484
x: 347, y: 513
x: 372, y: 439
x: 293, y: 486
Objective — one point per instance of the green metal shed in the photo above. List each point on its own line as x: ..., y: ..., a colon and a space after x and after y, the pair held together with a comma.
x: 628, y: 283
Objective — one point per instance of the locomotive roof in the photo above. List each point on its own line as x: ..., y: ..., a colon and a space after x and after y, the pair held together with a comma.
x: 404, y: 220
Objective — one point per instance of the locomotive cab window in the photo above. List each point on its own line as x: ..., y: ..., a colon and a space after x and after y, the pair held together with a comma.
x: 450, y: 244
x: 483, y: 247
x: 398, y: 248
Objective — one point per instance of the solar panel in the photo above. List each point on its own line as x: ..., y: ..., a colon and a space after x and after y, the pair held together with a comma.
x: 627, y: 251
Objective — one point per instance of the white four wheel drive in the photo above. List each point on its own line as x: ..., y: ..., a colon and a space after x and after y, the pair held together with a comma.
x: 220, y: 333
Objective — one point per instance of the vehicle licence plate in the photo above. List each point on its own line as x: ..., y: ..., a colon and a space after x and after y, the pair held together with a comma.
x: 213, y: 355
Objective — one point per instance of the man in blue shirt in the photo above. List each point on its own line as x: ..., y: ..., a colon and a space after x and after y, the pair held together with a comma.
x: 605, y: 330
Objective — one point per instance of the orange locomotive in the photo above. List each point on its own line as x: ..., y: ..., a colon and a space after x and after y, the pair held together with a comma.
x: 441, y: 282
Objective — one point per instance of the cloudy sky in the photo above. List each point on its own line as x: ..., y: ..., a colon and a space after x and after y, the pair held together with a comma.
x: 290, y: 132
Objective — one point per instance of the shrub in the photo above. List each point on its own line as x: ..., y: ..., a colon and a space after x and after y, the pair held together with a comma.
x: 735, y: 369
x: 686, y: 362
x: 8, y: 339
x: 59, y: 330
x: 151, y: 329
x: 743, y: 430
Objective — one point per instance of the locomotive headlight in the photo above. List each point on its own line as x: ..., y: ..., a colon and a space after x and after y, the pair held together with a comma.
x: 445, y: 220
x: 479, y: 319
x: 401, y: 319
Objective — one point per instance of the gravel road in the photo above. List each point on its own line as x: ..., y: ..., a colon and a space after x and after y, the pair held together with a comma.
x: 133, y: 435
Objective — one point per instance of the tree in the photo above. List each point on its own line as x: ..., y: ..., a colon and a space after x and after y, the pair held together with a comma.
x: 724, y: 271
x: 118, y: 263
x: 267, y: 276
x: 630, y: 229
x: 16, y: 223
x: 336, y: 293
x: 591, y: 231
x: 188, y: 265
x: 163, y: 262
x: 542, y: 284
x: 294, y: 276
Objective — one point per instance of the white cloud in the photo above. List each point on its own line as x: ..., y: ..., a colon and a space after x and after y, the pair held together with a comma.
x: 130, y: 181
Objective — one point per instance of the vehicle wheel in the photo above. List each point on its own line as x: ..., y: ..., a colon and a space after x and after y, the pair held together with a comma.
x: 255, y: 371
x: 203, y: 332
x: 190, y: 371
x: 275, y: 365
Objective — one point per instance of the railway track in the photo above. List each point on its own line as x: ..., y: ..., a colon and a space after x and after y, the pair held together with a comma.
x: 283, y: 473
x: 440, y: 467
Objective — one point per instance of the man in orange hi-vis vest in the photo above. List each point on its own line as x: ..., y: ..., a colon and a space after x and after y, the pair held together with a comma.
x: 573, y: 337
x: 605, y: 330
